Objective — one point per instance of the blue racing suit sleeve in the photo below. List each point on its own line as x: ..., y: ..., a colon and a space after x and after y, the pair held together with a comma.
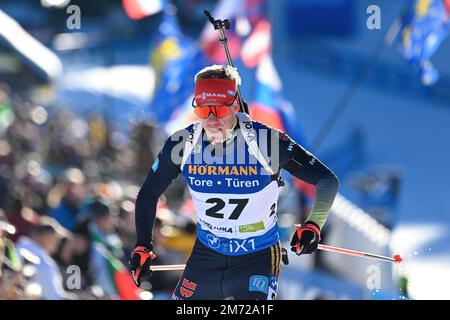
x: 164, y: 170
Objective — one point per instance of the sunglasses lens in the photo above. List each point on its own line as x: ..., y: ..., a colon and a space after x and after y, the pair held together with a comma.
x: 219, y: 112
x: 202, y: 112
x: 222, y: 112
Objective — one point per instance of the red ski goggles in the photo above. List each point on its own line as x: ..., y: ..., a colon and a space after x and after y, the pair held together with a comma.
x: 216, y: 96
x: 219, y: 112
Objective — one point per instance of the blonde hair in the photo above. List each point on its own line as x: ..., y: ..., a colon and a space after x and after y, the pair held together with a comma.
x: 219, y: 71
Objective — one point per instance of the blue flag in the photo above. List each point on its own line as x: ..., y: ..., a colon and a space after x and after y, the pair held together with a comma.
x: 425, y: 26
x: 175, y: 59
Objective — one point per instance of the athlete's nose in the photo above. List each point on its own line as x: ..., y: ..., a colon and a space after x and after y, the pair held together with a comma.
x: 212, y: 117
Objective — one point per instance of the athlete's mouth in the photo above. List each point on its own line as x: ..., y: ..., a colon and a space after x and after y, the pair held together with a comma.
x: 215, y: 127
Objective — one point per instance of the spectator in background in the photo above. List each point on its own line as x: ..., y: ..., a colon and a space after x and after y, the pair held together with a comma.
x: 126, y: 226
x: 64, y: 257
x: 170, y: 251
x: 37, y: 183
x: 98, y: 248
x: 24, y: 219
x: 66, y: 213
x: 104, y: 222
x: 82, y: 247
x: 6, y: 112
x: 43, y: 242
x: 144, y: 147
x: 10, y: 266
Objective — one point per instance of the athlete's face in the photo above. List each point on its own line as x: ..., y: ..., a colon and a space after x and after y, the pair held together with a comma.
x: 216, y: 128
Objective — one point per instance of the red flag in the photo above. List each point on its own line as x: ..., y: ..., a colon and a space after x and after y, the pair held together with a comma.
x: 138, y: 9
x: 125, y: 286
x: 447, y: 7
x: 257, y: 45
x: 266, y: 115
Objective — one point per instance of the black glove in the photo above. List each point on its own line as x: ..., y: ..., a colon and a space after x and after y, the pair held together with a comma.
x: 306, y: 238
x: 140, y: 262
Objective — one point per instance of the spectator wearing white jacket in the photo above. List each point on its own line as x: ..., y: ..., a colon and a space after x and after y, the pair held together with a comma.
x: 42, y: 243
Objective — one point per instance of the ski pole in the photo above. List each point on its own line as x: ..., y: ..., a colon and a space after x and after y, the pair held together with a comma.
x: 396, y: 258
x: 219, y: 25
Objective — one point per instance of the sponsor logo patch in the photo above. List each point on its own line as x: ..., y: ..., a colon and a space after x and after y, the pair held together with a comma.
x: 259, y: 283
x: 252, y: 227
x: 216, y: 228
x: 197, y: 149
x: 273, y: 286
x: 213, y: 241
x: 187, y: 288
x: 155, y: 165
x: 222, y: 170
x: 290, y: 146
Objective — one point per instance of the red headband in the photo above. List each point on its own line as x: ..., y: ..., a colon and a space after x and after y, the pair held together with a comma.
x: 214, y: 92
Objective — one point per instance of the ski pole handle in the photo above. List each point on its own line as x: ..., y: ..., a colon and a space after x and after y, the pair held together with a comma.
x: 208, y: 15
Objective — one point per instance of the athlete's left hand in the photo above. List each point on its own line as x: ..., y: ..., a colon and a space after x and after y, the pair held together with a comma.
x: 306, y: 238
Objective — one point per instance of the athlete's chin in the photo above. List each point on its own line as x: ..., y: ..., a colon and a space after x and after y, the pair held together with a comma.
x: 215, y: 135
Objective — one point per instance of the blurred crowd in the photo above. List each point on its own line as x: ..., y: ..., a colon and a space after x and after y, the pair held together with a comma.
x: 67, y: 190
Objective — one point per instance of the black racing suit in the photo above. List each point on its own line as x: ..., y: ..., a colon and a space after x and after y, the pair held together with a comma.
x: 213, y: 275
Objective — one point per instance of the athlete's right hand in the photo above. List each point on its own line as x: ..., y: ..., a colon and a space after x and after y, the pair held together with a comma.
x: 140, y: 262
